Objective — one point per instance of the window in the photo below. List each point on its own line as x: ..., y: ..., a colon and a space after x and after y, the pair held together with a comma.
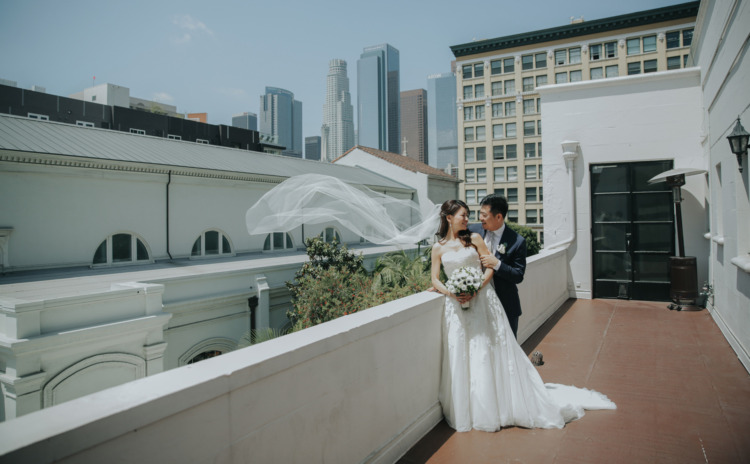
x: 541, y: 80
x: 84, y: 124
x: 469, y: 155
x: 203, y: 141
x: 574, y: 55
x: 649, y: 44
x: 634, y: 46
x: 468, y: 134
x: 528, y: 84
x: 496, y: 67
x: 41, y: 117
x: 137, y: 131
x: 513, y: 215
x: 468, y: 92
x: 540, y: 60
x: 497, y: 110
x: 174, y: 137
x: 510, y: 109
x: 529, y: 107
x: 539, y: 145
x: 530, y: 194
x: 512, y: 174
x: 561, y: 78
x: 529, y: 128
x: 576, y: 76
x: 610, y: 50
x: 330, y: 234
x: 612, y: 71
x: 498, y: 153
x: 673, y: 39
x: 479, y: 70
x: 530, y: 216
x: 687, y: 37
x: 470, y: 173
x: 481, y: 153
x: 538, y: 105
x: 673, y: 62
x: 482, y: 175
x: 472, y: 216
x: 649, y: 66
x: 499, y: 174
x: 278, y: 241
x: 530, y: 172
x: 121, y: 249
x: 93, y: 98
x: 541, y: 220
x: 496, y: 88
x: 527, y: 62
x: 561, y: 57
x: 467, y: 71
x: 510, y: 129
x: 211, y: 242
x: 512, y: 195
x: 596, y: 73
x: 541, y: 197
x: 479, y: 91
x: 509, y: 65
x: 479, y: 112
x: 634, y: 68
x: 510, y: 87
x: 481, y: 193
x: 497, y: 131
x: 539, y: 128
x: 471, y: 197
x: 510, y: 151
x: 595, y: 52
x: 480, y: 133
x: 500, y: 192
x: 468, y: 113
x: 529, y: 150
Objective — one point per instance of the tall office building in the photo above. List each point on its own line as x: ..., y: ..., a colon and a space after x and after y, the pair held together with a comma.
x: 312, y: 148
x: 414, y: 124
x: 247, y: 121
x: 500, y: 112
x: 337, y: 133
x: 378, y: 98
x: 442, y: 134
x: 281, y: 116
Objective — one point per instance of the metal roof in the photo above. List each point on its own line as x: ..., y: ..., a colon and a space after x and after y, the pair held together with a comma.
x: 19, y: 134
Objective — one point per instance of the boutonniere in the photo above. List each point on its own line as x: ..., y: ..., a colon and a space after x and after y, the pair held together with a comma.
x: 501, y: 248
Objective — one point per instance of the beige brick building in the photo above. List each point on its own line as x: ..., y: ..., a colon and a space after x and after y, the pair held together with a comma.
x: 500, y: 111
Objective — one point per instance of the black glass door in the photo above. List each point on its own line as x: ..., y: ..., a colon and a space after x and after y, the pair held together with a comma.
x: 632, y: 231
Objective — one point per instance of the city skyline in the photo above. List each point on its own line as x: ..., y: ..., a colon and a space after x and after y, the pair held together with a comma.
x: 217, y: 60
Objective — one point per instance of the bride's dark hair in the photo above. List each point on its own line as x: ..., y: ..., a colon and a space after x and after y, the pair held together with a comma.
x: 450, y: 208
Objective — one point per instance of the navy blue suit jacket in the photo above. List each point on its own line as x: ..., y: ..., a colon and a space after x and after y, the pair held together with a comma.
x: 511, y: 270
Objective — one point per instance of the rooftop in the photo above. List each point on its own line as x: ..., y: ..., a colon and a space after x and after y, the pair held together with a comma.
x: 402, y: 161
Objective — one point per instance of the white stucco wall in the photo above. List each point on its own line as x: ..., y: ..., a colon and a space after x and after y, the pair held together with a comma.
x: 634, y: 118
x: 720, y: 49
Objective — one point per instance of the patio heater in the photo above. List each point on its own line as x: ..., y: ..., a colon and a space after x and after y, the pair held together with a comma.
x: 683, y: 270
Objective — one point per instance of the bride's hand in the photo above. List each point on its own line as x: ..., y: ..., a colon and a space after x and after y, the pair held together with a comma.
x: 464, y: 297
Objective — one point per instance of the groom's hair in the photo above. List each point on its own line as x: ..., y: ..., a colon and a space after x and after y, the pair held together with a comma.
x: 497, y: 203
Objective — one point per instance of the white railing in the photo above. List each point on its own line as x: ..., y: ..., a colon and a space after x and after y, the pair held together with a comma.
x: 361, y: 388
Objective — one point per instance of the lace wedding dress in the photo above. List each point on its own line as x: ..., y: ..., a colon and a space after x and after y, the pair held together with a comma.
x: 487, y: 382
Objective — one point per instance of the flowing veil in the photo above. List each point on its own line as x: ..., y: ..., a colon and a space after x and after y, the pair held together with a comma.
x: 320, y: 199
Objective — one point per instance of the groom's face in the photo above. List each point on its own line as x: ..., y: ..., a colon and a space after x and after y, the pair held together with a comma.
x: 490, y: 221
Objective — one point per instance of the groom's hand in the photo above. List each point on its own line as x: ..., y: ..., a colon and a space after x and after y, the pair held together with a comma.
x: 489, y: 261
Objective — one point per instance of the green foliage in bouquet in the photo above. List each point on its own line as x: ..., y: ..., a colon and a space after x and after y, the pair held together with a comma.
x: 532, y: 244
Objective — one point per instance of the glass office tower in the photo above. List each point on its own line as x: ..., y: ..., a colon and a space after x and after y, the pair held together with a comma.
x: 378, y: 98
x: 442, y: 128
x: 281, y: 116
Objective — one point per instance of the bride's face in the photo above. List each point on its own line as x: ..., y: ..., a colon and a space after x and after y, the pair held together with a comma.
x: 460, y: 220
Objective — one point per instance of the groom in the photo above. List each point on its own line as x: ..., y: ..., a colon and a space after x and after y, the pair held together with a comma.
x: 507, y: 254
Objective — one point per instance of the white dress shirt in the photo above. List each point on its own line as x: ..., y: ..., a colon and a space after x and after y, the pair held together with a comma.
x: 492, y: 239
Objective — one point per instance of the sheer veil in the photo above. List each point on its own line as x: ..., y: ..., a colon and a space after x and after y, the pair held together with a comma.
x: 321, y: 199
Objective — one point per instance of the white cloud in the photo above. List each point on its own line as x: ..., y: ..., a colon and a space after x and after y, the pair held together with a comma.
x: 181, y: 40
x: 191, y: 24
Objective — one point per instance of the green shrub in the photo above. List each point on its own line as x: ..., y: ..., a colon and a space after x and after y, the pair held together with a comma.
x: 532, y: 244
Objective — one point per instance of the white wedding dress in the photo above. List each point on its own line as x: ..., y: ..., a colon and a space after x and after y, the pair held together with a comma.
x: 487, y: 382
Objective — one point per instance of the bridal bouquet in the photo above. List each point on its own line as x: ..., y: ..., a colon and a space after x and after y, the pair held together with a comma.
x: 467, y: 280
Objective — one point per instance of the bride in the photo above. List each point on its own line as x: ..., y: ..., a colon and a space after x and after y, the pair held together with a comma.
x: 487, y: 382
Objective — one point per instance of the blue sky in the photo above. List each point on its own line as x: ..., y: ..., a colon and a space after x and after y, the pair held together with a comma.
x: 218, y: 56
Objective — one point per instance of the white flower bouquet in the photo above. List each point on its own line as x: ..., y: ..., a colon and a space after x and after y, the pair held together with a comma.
x: 465, y: 280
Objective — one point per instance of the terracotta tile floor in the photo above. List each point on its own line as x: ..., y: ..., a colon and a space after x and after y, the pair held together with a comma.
x: 682, y: 395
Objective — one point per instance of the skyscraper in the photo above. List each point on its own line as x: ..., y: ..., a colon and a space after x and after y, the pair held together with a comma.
x: 281, y: 116
x: 378, y: 98
x: 442, y: 132
x: 414, y: 124
x: 312, y: 148
x: 337, y: 133
x: 247, y: 121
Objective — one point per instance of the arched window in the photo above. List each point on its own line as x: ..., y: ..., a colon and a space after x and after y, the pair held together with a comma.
x: 278, y: 241
x: 121, y: 249
x: 211, y: 242
x: 330, y: 234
